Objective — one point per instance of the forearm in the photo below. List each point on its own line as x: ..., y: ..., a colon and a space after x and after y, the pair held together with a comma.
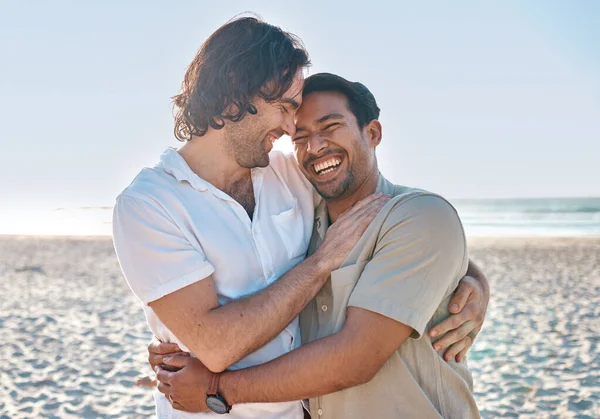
x: 241, y: 327
x: 319, y: 368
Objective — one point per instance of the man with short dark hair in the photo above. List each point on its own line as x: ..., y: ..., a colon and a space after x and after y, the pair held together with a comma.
x: 213, y: 239
x: 365, y: 353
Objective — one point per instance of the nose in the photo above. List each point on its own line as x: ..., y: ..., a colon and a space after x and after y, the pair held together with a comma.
x: 316, y: 144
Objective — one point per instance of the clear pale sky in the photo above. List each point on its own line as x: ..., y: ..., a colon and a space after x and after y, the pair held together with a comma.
x: 478, y: 100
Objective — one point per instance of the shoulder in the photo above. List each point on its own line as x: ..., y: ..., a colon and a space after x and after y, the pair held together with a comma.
x: 149, y: 199
x: 412, y: 199
x: 152, y: 187
x: 424, y: 214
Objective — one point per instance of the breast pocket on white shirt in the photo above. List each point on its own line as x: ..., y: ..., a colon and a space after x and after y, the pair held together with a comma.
x: 290, y: 227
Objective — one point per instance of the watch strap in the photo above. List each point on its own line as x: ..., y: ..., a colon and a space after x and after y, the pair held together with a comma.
x: 214, y: 384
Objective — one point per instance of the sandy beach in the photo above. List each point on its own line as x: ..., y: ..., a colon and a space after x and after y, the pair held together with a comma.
x: 75, y: 336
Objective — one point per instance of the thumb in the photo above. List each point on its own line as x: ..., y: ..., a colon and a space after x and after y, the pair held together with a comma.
x: 460, y: 298
x: 178, y: 361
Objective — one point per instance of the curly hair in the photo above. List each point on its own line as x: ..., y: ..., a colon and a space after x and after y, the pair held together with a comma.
x: 244, y: 59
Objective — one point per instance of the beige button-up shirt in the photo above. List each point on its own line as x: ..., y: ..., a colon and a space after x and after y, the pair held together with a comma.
x: 405, y: 266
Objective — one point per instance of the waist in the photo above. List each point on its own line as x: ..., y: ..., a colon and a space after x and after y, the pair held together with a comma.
x: 285, y: 410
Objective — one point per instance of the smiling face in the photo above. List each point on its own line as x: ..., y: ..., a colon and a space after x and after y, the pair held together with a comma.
x: 333, y: 152
x: 250, y: 140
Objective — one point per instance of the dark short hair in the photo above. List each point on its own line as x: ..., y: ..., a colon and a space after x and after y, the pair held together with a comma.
x: 361, y: 101
x: 244, y: 59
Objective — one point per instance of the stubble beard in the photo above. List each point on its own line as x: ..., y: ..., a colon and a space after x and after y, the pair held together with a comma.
x: 335, y: 191
x: 246, y: 149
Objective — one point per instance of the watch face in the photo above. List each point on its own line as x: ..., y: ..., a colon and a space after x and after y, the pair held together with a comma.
x: 216, y: 404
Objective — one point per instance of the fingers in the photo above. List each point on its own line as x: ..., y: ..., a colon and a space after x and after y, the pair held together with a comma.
x: 145, y: 382
x: 156, y: 360
x: 376, y: 200
x: 160, y: 348
x: 454, y: 335
x: 164, y: 388
x: 464, y: 290
x: 164, y: 376
x: 176, y: 361
x: 460, y: 347
x: 364, y: 202
x: 469, y: 313
x: 463, y: 353
x: 361, y: 219
x: 368, y: 212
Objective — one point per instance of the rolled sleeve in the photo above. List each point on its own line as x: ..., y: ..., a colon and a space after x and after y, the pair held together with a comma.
x: 155, y: 256
x: 419, y: 258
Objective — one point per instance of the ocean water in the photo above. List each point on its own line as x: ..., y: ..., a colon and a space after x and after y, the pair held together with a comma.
x: 530, y: 217
x: 481, y: 217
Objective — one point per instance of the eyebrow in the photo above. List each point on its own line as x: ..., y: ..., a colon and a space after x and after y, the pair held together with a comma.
x: 291, y: 102
x: 330, y: 116
x: 323, y: 119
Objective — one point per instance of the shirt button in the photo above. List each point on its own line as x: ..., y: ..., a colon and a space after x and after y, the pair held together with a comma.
x: 324, y: 307
x: 320, y: 412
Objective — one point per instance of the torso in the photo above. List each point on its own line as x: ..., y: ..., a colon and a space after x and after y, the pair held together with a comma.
x: 412, y: 368
x: 247, y: 256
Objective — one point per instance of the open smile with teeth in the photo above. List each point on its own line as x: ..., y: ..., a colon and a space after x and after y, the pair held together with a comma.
x: 327, y: 166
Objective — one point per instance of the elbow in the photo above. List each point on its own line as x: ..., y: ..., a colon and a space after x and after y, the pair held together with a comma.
x: 362, y: 373
x: 216, y: 366
x: 217, y: 359
x: 367, y: 367
x: 365, y: 374
x: 216, y: 362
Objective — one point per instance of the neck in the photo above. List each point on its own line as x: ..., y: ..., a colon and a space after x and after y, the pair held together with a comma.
x: 337, y: 206
x: 207, y: 157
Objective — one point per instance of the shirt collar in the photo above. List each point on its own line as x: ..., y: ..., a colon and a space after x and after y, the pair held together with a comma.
x: 175, y: 165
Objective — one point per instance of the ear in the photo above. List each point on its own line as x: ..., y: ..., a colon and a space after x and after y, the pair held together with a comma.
x: 374, y: 132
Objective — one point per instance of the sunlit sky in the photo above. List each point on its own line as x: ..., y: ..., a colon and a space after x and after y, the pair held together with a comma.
x: 478, y: 99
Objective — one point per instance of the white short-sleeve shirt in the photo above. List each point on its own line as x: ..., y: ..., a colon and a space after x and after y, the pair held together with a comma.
x: 171, y: 228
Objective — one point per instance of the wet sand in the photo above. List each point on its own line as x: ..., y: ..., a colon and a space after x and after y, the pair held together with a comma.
x: 75, y: 336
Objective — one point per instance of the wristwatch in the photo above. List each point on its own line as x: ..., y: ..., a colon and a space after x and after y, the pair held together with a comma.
x: 215, y: 402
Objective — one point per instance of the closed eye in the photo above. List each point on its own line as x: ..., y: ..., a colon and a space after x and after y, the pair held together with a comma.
x: 299, y: 138
x: 335, y: 124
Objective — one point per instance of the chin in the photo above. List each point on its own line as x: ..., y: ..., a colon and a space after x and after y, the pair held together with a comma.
x: 263, y: 161
x: 332, y: 191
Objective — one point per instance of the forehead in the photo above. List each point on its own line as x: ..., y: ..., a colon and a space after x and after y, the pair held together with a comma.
x: 315, y: 105
x: 294, y: 93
